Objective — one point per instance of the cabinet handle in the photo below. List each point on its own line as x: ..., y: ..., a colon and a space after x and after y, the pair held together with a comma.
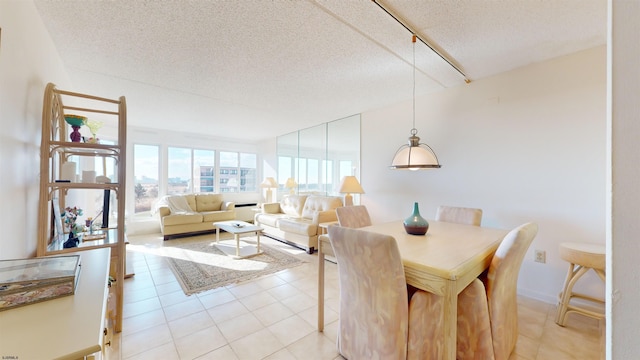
x: 105, y: 332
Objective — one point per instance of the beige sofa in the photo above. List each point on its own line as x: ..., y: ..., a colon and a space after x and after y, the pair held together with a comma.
x: 192, y: 213
x: 295, y: 218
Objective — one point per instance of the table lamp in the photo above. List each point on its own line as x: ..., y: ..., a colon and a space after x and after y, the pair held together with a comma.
x: 350, y: 185
x: 291, y: 185
x: 269, y: 183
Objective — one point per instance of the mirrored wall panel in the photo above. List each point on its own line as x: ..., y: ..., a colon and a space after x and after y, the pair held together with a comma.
x: 314, y: 160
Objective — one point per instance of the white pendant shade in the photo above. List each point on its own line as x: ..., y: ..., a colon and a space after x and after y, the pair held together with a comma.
x: 415, y: 156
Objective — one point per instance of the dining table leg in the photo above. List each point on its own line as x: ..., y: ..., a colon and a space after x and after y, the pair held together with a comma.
x: 450, y: 319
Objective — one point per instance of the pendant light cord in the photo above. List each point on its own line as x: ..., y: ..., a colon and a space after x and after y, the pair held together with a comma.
x: 414, y: 130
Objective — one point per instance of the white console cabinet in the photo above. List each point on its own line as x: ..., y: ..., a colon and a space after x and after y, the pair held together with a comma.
x: 69, y: 327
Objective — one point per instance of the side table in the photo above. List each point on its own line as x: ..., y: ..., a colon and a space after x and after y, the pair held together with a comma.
x: 324, y: 227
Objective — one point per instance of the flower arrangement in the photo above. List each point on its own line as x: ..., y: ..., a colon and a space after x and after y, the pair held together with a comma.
x: 70, y: 216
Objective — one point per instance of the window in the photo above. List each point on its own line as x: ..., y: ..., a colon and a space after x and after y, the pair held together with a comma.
x: 327, y: 173
x: 204, y: 178
x: 346, y: 168
x: 237, y: 172
x: 285, y: 171
x: 302, y: 174
x: 145, y: 165
x: 187, y: 170
x: 228, y: 178
x: 248, y: 172
x: 179, y: 171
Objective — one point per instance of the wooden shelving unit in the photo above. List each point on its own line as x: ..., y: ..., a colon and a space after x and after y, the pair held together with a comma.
x: 56, y: 149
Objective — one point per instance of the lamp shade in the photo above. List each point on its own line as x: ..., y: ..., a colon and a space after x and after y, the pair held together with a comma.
x: 415, y: 156
x: 291, y: 183
x: 350, y: 185
x: 269, y: 183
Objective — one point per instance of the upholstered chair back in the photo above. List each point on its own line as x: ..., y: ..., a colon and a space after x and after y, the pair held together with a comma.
x: 487, y: 325
x: 460, y: 215
x: 353, y: 216
x: 501, y: 285
x: 373, y: 316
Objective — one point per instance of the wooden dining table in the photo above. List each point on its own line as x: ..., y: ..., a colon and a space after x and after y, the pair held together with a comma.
x: 442, y: 262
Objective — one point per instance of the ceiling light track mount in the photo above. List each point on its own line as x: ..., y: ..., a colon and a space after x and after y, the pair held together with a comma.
x: 414, y: 33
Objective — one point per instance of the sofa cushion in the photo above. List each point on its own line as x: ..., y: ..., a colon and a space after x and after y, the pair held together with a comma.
x: 298, y: 226
x: 292, y: 205
x: 208, y: 202
x: 213, y: 216
x: 270, y: 219
x: 181, y: 219
x: 315, y: 204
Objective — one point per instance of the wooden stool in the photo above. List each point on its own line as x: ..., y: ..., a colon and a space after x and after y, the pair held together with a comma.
x: 581, y: 258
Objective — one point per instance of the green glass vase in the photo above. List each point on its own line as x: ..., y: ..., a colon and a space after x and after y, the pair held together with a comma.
x: 416, y: 224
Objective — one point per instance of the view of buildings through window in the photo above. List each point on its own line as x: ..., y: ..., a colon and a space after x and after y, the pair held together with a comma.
x: 146, y: 173
x: 190, y: 171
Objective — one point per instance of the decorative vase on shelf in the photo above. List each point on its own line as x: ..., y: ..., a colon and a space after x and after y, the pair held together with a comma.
x: 75, y: 134
x: 72, y: 241
x: 75, y: 121
x: 416, y: 224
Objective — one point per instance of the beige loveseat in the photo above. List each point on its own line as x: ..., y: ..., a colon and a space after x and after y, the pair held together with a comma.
x: 295, y: 218
x: 193, y: 213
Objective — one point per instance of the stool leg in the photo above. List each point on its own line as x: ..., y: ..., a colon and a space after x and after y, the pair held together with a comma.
x: 562, y: 303
x: 575, y: 272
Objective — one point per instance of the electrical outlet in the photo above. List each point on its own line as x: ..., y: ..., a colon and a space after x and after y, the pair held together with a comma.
x: 540, y: 256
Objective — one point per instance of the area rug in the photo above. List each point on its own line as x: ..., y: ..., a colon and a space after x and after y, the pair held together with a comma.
x: 203, y: 266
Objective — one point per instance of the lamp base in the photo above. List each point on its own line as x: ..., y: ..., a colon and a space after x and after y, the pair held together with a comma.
x: 268, y: 197
x: 348, y: 200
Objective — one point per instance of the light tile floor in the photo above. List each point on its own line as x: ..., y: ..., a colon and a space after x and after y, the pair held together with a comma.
x: 275, y: 316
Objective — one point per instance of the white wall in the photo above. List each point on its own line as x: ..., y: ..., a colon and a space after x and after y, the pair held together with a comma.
x: 623, y: 245
x: 28, y: 61
x: 527, y: 145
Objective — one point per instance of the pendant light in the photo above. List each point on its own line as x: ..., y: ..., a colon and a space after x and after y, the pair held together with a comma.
x: 414, y: 155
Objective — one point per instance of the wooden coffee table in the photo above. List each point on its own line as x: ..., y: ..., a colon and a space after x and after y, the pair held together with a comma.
x: 238, y: 228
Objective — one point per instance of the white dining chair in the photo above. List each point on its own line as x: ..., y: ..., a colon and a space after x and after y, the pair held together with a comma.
x: 373, y: 315
x: 487, y: 325
x: 460, y: 215
x: 353, y: 216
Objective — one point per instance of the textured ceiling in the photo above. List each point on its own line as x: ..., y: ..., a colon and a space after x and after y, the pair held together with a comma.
x: 255, y: 69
